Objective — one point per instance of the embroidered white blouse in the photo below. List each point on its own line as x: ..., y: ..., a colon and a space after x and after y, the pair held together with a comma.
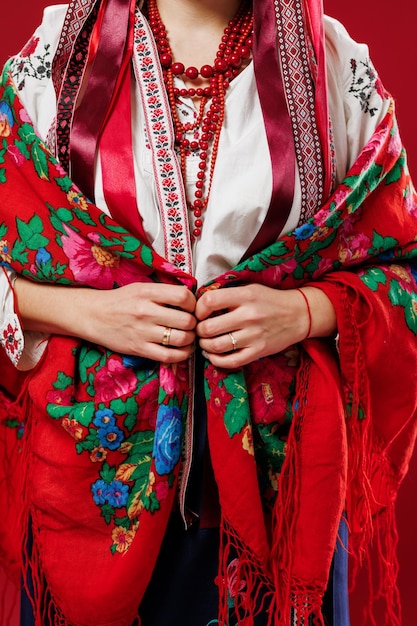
x: 242, y: 181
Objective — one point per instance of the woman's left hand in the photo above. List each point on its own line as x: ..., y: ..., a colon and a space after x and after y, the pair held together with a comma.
x: 239, y: 325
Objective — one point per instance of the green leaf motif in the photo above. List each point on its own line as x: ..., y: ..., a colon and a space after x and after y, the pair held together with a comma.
x: 107, y: 512
x: 3, y: 177
x: 63, y: 214
x: 108, y: 473
x: 3, y: 230
x: 83, y: 412
x: 30, y: 233
x: 27, y: 133
x: 381, y: 243
x: 87, y: 359
x: 58, y: 411
x: 146, y: 255
x: 63, y: 381
x: 40, y: 161
x: 19, y: 252
x: 373, y: 278
x: 237, y: 412
x: 65, y: 183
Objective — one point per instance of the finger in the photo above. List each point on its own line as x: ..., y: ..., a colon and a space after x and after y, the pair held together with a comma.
x: 176, y: 296
x: 220, y: 324
x: 218, y: 300
x: 231, y: 360
x: 223, y: 344
x: 173, y: 337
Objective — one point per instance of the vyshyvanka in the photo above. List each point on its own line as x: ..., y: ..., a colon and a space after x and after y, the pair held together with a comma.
x: 96, y: 448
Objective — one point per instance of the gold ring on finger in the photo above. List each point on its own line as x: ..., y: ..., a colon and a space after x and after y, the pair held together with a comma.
x: 233, y: 340
x: 167, y: 336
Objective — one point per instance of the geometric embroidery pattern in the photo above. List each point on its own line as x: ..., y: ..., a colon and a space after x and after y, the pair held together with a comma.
x: 297, y: 77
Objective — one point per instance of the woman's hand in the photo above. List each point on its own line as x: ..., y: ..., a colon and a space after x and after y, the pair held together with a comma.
x: 238, y: 325
x: 130, y: 320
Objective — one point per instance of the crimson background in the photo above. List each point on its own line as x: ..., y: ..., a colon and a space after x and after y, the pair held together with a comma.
x: 390, y: 34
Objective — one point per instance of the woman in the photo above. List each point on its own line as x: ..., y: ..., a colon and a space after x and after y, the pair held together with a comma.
x: 260, y: 207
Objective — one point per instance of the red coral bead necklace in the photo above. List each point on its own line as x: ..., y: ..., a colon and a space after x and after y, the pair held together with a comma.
x: 233, y: 52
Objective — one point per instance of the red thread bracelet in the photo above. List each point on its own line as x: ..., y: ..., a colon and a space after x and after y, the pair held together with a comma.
x: 310, y: 321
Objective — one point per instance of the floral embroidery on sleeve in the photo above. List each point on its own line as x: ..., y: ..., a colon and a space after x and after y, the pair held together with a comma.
x: 365, y: 85
x: 11, y: 338
x: 33, y: 61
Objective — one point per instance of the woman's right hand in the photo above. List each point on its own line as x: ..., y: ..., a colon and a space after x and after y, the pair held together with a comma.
x: 130, y: 320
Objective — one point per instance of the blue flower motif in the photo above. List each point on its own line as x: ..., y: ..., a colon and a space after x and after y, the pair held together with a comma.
x: 137, y: 362
x: 6, y: 113
x: 104, y: 418
x: 413, y: 265
x: 99, y: 490
x: 387, y: 255
x: 168, y: 434
x: 117, y: 494
x: 304, y: 231
x: 42, y: 256
x: 110, y: 436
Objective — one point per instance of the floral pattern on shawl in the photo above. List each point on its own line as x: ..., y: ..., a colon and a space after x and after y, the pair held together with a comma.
x: 125, y: 417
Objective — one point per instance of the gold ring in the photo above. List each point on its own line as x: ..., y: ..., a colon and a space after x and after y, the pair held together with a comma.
x: 167, y: 336
x: 233, y: 340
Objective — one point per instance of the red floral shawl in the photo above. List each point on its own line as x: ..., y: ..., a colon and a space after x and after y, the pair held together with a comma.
x: 99, y: 462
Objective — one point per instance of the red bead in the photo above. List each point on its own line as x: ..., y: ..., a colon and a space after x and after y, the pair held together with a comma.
x: 249, y: 42
x: 191, y: 92
x: 198, y: 223
x: 204, y: 145
x: 198, y: 193
x: 194, y: 145
x: 166, y: 60
x: 201, y: 175
x: 203, y: 156
x: 207, y: 91
x: 197, y: 232
x: 213, y: 127
x: 199, y: 92
x: 178, y: 137
x: 191, y: 72
x: 206, y: 71
x: 197, y: 213
x: 198, y: 204
x: 184, y: 92
x: 202, y: 165
x: 178, y: 68
x: 244, y: 52
x: 235, y: 60
x: 220, y: 65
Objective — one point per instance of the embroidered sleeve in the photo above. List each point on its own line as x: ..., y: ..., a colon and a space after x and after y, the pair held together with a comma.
x: 31, y: 70
x: 357, y: 99
x: 23, y: 349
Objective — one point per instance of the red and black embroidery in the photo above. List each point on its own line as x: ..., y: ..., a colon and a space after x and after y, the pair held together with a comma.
x: 365, y: 85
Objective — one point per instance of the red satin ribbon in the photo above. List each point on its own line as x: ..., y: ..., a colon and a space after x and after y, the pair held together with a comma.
x: 112, y: 55
x: 277, y: 124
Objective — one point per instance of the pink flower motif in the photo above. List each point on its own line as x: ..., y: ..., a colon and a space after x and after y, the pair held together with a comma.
x: 147, y: 61
x: 323, y: 266
x: 234, y: 583
x: 410, y: 203
x: 168, y: 182
x: 24, y: 116
x: 96, y: 266
x: 162, y: 490
x: 395, y: 144
x: 16, y: 155
x: 152, y: 100
x: 157, y: 126
x: 162, y: 153
x: 158, y: 112
x: 163, y: 139
x: 176, y: 243
x: 179, y: 259
x: 172, y: 212
x: 62, y: 397
x: 152, y: 86
x: 354, y: 245
x: 177, y: 228
x: 167, y: 167
x: 114, y: 380
x: 141, y: 47
x: 172, y: 197
x: 172, y: 378
x: 146, y: 74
